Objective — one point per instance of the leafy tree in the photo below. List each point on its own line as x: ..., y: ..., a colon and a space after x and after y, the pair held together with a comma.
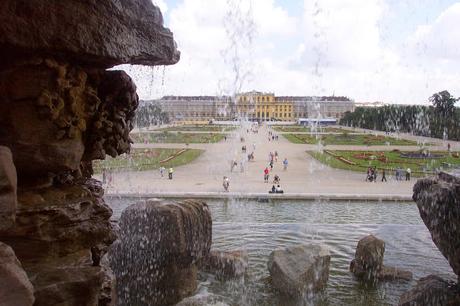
x: 444, y: 103
x: 440, y: 120
x: 149, y: 114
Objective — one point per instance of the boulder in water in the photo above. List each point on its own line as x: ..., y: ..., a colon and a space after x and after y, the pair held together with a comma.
x: 431, y: 290
x: 300, y: 270
x: 368, y: 262
x: 438, y: 201
x: 159, y: 244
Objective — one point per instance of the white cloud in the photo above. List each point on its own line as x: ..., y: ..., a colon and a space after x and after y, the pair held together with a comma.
x: 333, y: 46
x: 441, y: 39
x: 345, y: 32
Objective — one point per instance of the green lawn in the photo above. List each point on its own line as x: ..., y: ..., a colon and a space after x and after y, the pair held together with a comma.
x: 389, y: 160
x: 146, y: 159
x: 300, y: 128
x: 347, y: 139
x: 200, y: 128
x: 173, y: 137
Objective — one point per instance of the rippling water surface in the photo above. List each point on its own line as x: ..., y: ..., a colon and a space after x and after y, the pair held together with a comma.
x: 259, y: 228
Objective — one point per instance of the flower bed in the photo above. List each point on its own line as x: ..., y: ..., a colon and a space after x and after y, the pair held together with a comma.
x: 172, y: 156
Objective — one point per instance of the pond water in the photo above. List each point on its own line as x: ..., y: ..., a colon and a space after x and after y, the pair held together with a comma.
x: 259, y: 228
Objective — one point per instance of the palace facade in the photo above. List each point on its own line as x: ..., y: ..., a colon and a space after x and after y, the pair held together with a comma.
x: 254, y: 105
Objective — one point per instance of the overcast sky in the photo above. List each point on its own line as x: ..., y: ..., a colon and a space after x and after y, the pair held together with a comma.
x: 395, y: 51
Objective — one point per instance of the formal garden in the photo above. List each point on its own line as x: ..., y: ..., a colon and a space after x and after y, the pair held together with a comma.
x: 420, y: 162
x: 307, y: 129
x: 349, y: 139
x: 176, y: 137
x: 147, y: 159
x: 199, y: 128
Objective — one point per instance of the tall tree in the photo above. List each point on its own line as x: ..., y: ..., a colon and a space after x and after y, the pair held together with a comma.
x: 444, y: 107
x: 444, y: 103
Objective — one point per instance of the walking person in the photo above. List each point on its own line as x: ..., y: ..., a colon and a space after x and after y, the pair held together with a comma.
x: 384, y: 178
x: 285, y: 164
x: 109, y: 178
x: 368, y: 174
x: 162, y: 171
x: 226, y: 183
x: 266, y: 174
x: 170, y: 173
x: 233, y: 165
x: 408, y: 172
x: 271, y: 164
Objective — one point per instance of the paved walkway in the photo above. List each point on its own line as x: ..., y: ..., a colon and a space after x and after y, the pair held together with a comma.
x: 304, y: 174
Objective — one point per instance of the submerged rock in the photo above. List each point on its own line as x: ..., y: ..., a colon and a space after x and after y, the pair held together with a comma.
x: 391, y: 273
x: 431, y: 290
x: 299, y: 270
x: 202, y: 300
x: 15, y: 287
x: 368, y: 262
x: 438, y: 201
x: 225, y: 264
x: 113, y: 32
x: 159, y: 244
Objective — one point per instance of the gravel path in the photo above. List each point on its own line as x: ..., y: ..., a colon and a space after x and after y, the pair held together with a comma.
x: 304, y: 174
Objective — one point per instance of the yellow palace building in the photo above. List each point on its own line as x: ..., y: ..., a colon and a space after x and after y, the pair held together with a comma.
x: 259, y: 106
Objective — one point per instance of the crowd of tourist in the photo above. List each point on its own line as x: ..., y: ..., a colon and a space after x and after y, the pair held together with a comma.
x: 400, y: 174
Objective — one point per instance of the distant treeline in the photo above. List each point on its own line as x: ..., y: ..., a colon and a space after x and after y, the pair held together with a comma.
x: 440, y: 120
x: 149, y: 114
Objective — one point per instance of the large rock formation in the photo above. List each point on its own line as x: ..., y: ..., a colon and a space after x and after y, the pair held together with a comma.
x: 15, y: 287
x: 438, y: 201
x: 300, y: 270
x: 159, y: 244
x: 368, y: 262
x: 8, y: 186
x: 54, y: 115
x: 113, y: 32
x: 56, y: 237
x: 59, y: 110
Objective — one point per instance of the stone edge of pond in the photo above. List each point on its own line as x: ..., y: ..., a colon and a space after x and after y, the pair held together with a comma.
x: 264, y: 196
